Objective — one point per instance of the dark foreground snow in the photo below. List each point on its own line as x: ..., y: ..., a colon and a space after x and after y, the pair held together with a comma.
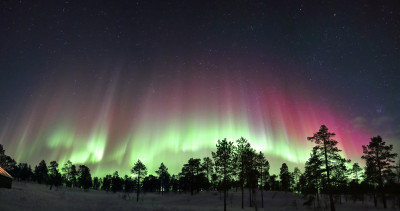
x: 30, y: 196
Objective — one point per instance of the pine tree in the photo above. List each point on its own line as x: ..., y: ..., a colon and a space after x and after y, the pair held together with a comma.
x: 2, y: 155
x: 296, y: 179
x: 141, y: 171
x: 327, y: 146
x: 96, y: 183
x: 398, y: 171
x: 66, y: 173
x: 339, y: 174
x: 251, y: 174
x: 84, y: 177
x: 195, y: 164
x: 242, y: 150
x: 379, y: 160
x: 106, y: 184
x: 263, y: 169
x: 208, y: 166
x: 129, y: 184
x: 312, y: 173
x: 55, y: 178
x: 41, y: 172
x: 116, y: 182
x: 74, y: 176
x: 356, y: 169
x: 24, y: 171
x: 2, y: 151
x: 274, y: 183
x: 284, y: 176
x: 163, y: 176
x: 9, y: 164
x: 223, y: 160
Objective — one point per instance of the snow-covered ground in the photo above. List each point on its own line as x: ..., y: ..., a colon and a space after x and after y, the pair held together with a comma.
x: 31, y: 196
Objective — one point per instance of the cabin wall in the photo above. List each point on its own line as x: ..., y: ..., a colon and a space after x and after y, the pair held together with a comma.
x: 5, y: 182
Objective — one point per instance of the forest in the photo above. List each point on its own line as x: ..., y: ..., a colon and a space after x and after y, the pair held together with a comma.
x: 236, y: 166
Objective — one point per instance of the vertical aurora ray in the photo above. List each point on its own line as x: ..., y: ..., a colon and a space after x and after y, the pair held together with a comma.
x: 108, y: 127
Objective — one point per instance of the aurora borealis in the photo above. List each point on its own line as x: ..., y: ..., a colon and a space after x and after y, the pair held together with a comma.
x: 105, y: 84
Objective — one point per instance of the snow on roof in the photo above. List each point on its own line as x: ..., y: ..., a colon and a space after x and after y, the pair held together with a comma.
x: 4, y: 173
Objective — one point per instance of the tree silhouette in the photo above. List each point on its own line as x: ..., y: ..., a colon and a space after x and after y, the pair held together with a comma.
x: 9, y: 164
x: 163, y: 176
x: 263, y: 169
x: 96, y: 183
x: 2, y: 151
x: 251, y: 174
x: 2, y: 155
x: 312, y: 173
x: 195, y: 166
x: 296, y: 179
x: 325, y: 172
x: 379, y: 160
x: 356, y: 169
x: 398, y: 172
x: 223, y: 160
x: 242, y: 152
x: 191, y: 176
x: 24, y: 171
x: 84, y: 177
x: 74, y: 176
x: 151, y: 184
x: 55, y: 178
x: 141, y: 171
x: 116, y: 182
x: 326, y: 145
x: 129, y: 184
x: 174, y: 183
x: 339, y: 175
x: 6, y: 162
x: 208, y: 166
x: 274, y: 183
x: 41, y: 172
x: 284, y: 176
x: 214, y: 181
x: 67, y: 174
x: 106, y: 184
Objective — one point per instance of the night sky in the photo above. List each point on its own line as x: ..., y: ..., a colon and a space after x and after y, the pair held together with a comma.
x: 106, y: 83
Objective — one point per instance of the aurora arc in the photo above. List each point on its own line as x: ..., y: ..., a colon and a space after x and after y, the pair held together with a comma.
x: 112, y: 123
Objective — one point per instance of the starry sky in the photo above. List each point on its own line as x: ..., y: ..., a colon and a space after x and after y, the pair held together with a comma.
x: 104, y: 83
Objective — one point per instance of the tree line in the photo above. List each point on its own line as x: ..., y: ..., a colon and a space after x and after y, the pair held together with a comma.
x: 236, y: 166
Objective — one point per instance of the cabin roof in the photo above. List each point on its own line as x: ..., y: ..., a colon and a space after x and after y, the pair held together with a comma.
x: 4, y: 173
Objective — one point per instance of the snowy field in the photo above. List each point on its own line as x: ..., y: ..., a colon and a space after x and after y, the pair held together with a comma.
x: 31, y: 196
